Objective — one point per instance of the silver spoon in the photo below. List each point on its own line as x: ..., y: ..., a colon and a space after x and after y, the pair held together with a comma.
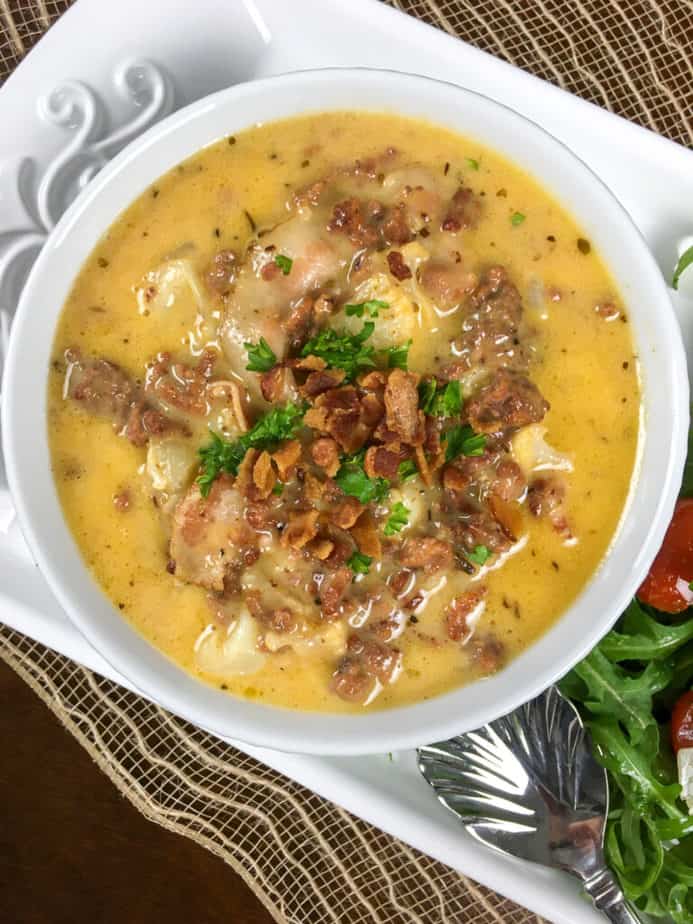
x: 527, y: 784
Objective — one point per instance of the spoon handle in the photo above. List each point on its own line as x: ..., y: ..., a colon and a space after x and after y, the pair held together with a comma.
x: 606, y: 894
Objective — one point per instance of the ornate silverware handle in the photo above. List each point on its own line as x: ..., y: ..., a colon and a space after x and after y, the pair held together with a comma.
x: 606, y: 894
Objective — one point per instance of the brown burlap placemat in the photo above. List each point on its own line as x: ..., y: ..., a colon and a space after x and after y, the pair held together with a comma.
x: 301, y: 855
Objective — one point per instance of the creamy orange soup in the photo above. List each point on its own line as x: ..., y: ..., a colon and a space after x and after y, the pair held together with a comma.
x: 343, y: 412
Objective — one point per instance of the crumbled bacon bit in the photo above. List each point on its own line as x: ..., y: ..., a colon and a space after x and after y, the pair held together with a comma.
x: 365, y: 534
x: 318, y: 382
x: 607, y: 310
x: 299, y: 322
x: 489, y: 653
x: 346, y: 513
x: 286, y: 458
x: 373, y: 380
x: 332, y: 589
x: 509, y: 400
x: 426, y: 552
x: 381, y: 462
x: 325, y: 453
x: 397, y: 266
x: 274, y: 383
x: 308, y: 363
x: 179, y: 385
x: 221, y: 272
x: 264, y: 478
x: 122, y: 500
x: 399, y: 581
x: 402, y: 407
x: 372, y: 409
x: 300, y: 529
x: 463, y: 212
x: 459, y: 610
x: 320, y: 548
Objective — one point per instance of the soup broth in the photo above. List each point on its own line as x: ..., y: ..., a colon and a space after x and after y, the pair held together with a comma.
x: 413, y: 384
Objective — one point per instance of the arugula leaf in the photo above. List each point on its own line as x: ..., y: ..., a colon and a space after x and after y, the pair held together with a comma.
x: 622, y: 688
x: 463, y: 441
x: 284, y: 263
x: 407, y: 470
x: 621, y: 695
x: 398, y: 356
x: 354, y: 481
x: 219, y: 455
x: 372, y: 306
x: 360, y: 563
x: 684, y: 262
x: 621, y: 758
x: 398, y: 519
x: 517, y: 218
x: 479, y: 555
x: 341, y: 350
x: 261, y: 356
x: 643, y: 637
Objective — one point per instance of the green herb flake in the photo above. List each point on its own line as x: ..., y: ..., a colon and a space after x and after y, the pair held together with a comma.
x: 278, y: 489
x: 472, y: 163
x: 463, y: 441
x: 360, y: 563
x: 398, y: 519
x: 341, y: 350
x: 220, y: 455
x: 354, y: 481
x: 398, y: 357
x: 407, y: 470
x: 517, y: 218
x: 479, y: 555
x: 284, y: 263
x: 372, y: 306
x: 261, y: 357
x: 427, y: 393
x: 684, y: 261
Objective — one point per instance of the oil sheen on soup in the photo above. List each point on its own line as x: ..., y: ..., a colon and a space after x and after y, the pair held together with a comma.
x: 343, y: 412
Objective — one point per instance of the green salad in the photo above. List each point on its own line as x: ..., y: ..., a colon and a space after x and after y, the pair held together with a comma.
x: 634, y: 693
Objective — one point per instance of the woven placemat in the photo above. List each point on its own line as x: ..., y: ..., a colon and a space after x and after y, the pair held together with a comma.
x: 301, y: 855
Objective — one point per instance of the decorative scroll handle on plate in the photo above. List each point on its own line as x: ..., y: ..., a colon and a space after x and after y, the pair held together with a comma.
x: 37, y: 203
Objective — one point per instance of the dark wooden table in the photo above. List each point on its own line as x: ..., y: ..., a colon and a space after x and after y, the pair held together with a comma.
x: 74, y: 851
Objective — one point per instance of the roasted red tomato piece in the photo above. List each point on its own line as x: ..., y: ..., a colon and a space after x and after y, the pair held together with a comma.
x: 666, y: 587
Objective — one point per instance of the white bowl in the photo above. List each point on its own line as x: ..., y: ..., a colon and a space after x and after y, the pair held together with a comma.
x: 655, y: 485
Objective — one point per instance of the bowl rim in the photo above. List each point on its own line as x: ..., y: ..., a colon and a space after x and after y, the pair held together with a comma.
x: 158, y: 678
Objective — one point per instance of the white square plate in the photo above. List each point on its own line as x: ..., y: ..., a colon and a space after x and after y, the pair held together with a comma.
x: 49, y: 147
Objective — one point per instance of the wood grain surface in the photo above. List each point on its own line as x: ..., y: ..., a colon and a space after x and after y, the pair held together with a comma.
x: 73, y: 851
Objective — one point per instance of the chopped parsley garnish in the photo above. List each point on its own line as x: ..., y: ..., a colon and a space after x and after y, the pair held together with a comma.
x: 278, y: 489
x: 685, y: 260
x: 261, y: 357
x: 219, y: 456
x: 463, y: 441
x: 427, y: 392
x: 372, y: 306
x: 471, y: 163
x: 398, y: 357
x: 360, y: 563
x: 398, y: 519
x: 354, y: 481
x: 479, y: 555
x: 343, y: 351
x: 517, y: 218
x: 445, y: 401
x: 284, y: 263
x: 407, y: 470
